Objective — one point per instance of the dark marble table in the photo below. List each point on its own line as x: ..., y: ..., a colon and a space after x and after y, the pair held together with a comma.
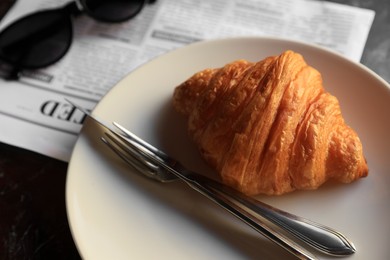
x: 33, y: 222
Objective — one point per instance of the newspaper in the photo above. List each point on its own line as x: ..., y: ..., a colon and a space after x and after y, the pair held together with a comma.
x: 34, y: 114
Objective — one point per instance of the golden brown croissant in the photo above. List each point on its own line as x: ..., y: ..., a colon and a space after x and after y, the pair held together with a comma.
x: 269, y: 127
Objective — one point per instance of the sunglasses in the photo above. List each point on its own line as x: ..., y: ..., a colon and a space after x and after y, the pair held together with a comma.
x: 42, y: 38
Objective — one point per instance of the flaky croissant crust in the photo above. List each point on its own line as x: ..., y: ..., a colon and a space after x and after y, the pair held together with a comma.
x: 270, y: 127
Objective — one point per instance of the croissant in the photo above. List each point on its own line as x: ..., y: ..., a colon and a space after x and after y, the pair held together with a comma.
x: 270, y: 127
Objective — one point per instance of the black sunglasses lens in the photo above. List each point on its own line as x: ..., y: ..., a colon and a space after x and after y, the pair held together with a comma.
x: 113, y: 10
x: 37, y: 40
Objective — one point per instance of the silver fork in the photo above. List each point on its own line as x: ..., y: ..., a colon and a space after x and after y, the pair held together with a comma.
x: 157, y: 165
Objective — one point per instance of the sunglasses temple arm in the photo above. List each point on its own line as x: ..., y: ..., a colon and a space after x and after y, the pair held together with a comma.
x: 73, y: 8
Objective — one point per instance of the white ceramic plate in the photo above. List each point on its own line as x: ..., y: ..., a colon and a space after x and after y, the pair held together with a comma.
x: 115, y: 213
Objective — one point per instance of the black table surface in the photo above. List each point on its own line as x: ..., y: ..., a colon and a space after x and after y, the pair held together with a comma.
x: 33, y: 220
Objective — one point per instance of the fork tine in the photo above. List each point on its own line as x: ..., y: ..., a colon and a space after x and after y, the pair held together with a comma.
x: 134, y: 154
x: 132, y: 142
x: 153, y: 151
x: 148, y: 170
x: 129, y: 149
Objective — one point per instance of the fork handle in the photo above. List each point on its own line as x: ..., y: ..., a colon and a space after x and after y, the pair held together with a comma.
x: 223, y: 199
x: 319, y: 236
